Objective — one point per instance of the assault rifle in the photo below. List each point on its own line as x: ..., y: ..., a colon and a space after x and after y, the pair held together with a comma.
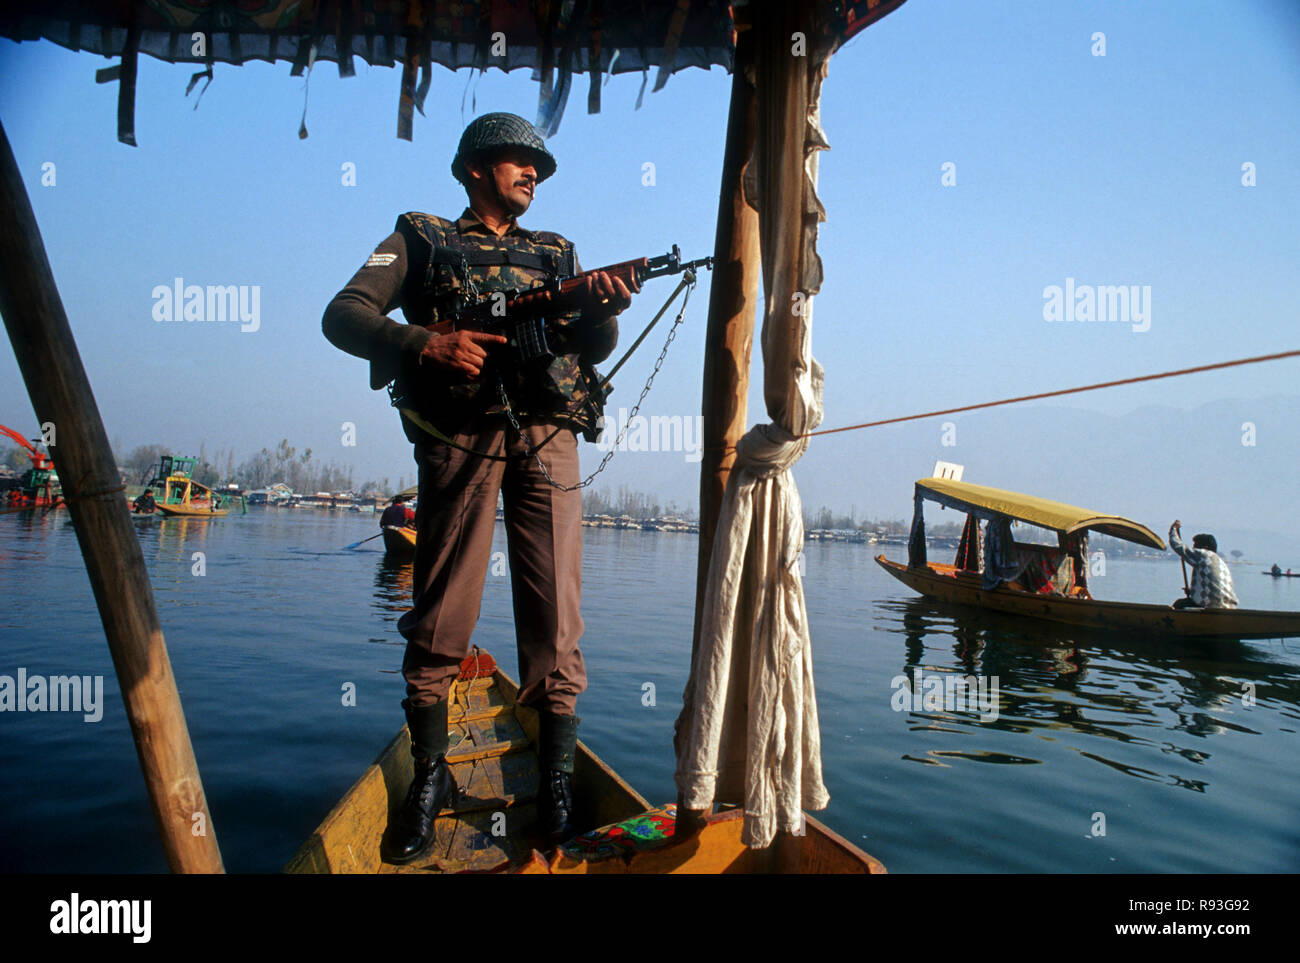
x: 520, y: 316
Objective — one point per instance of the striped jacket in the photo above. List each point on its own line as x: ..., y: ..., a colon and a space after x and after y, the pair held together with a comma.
x: 1211, y: 580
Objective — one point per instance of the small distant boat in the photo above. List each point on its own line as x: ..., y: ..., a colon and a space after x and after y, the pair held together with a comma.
x: 180, y: 494
x: 399, y: 541
x: 1283, y: 574
x: 1051, y: 581
x: 492, y: 825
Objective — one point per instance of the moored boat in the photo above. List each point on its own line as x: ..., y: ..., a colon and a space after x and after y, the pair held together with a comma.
x: 491, y: 827
x: 180, y: 495
x: 1040, y: 582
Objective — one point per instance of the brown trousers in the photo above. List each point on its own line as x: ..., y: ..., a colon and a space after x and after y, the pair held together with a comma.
x: 455, y: 518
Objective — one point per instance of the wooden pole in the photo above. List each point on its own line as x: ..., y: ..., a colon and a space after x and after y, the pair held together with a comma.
x: 733, y: 299
x: 729, y: 340
x: 61, y: 395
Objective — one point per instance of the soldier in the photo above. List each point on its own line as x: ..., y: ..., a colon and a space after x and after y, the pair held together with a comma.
x: 453, y: 390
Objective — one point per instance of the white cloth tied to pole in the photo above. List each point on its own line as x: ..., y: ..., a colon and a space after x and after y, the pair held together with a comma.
x: 754, y: 732
x: 748, y: 729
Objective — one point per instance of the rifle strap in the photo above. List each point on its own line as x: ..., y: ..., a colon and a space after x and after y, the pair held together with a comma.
x: 437, y: 435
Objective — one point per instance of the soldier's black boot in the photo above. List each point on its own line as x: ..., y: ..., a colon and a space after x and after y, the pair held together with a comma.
x: 557, y: 745
x: 410, y: 834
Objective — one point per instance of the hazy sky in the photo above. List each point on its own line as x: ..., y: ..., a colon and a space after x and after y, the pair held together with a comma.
x: 1123, y: 169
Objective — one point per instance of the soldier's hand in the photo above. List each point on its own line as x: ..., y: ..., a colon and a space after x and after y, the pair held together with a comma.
x: 607, y: 295
x: 464, y: 352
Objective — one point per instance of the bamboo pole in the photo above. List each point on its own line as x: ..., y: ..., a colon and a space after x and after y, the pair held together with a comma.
x: 61, y: 395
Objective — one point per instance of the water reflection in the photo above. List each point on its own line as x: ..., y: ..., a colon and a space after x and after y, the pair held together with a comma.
x: 1160, y: 697
x: 178, y: 537
x: 393, y: 588
x: 25, y: 531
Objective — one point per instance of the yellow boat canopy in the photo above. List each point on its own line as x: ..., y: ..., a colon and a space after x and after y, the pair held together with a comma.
x: 1056, y: 516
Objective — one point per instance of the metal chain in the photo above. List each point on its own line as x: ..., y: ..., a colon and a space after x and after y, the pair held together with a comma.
x: 672, y: 333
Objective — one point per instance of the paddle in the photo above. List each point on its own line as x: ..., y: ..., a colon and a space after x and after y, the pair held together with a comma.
x: 1187, y: 588
x: 348, y: 548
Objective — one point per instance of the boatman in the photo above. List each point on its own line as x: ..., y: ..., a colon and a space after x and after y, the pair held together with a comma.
x: 461, y: 399
x: 398, y: 514
x: 1211, y: 581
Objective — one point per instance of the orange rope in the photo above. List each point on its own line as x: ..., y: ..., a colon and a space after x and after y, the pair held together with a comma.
x: 1063, y: 391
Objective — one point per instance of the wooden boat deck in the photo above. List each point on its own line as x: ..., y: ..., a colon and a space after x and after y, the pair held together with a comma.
x: 493, y: 822
x: 493, y: 825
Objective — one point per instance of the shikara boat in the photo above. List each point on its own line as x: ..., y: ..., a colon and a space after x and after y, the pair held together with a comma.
x: 1051, y: 583
x: 179, y: 494
x: 399, y: 541
x: 491, y: 827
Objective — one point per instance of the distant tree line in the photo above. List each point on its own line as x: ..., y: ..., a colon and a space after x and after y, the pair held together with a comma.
x: 825, y: 519
x: 634, y: 504
x: 16, y: 458
x: 283, y: 464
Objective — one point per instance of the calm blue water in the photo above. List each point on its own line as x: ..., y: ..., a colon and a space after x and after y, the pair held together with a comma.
x: 1152, y: 735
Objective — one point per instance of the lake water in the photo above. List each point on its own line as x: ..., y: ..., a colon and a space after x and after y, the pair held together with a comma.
x: 1150, y: 741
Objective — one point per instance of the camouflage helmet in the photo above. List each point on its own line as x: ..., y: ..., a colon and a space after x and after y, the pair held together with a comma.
x: 495, y: 131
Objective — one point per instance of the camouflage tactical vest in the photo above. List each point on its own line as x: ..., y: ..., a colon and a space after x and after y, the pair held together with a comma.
x: 460, y: 267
